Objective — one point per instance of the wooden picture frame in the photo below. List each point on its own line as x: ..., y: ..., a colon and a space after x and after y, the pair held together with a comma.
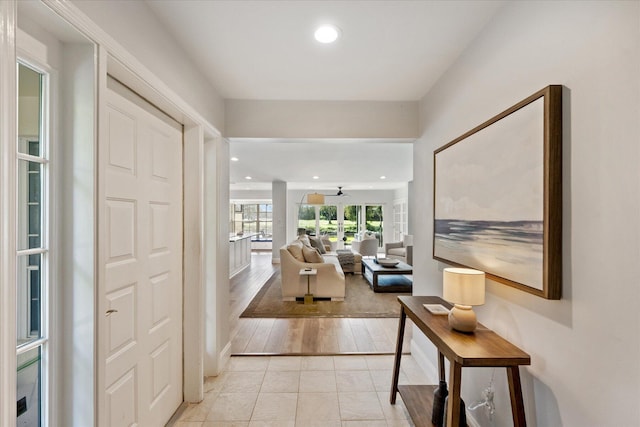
x: 497, y: 199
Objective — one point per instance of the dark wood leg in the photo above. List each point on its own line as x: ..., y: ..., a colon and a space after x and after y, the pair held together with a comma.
x: 396, y: 364
x: 515, y: 391
x: 441, y: 366
x: 453, y: 407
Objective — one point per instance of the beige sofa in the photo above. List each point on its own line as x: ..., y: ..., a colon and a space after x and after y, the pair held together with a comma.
x: 329, y: 282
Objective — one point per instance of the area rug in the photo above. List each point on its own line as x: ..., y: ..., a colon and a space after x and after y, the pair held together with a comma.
x: 360, y: 301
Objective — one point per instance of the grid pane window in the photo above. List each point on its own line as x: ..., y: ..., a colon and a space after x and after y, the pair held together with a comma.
x: 29, y: 109
x: 29, y: 296
x: 29, y: 389
x: 29, y: 204
x: 32, y: 253
x: 252, y: 218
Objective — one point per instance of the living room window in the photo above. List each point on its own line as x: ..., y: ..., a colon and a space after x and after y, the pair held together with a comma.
x: 252, y: 218
x: 374, y: 221
x: 307, y: 219
x: 399, y: 220
x: 340, y: 222
x: 352, y: 222
x: 32, y: 279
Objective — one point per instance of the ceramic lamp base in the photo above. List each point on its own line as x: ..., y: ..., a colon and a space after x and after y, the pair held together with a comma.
x: 462, y: 318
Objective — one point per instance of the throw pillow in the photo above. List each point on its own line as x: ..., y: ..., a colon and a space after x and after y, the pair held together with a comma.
x: 295, y: 249
x: 317, y: 243
x: 305, y: 240
x: 311, y: 255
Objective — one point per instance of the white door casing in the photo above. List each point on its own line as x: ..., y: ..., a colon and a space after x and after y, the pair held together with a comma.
x: 139, y: 337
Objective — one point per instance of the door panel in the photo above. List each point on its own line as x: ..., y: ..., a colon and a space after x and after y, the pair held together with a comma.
x: 122, y: 395
x: 140, y: 336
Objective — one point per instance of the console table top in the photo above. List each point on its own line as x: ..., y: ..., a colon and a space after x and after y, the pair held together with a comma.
x: 480, y: 348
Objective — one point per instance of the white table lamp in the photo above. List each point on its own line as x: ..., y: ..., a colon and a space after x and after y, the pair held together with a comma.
x: 464, y: 288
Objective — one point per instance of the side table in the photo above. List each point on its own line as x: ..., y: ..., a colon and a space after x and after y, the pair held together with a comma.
x: 483, y: 348
x: 308, y: 297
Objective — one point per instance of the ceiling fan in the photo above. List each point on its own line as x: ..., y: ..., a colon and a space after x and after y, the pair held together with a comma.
x: 340, y: 193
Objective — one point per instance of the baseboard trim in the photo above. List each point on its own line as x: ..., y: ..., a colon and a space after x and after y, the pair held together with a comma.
x: 224, y: 357
x: 346, y: 353
x: 430, y: 370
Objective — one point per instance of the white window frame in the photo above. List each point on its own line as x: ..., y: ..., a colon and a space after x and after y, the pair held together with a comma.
x: 400, y: 219
x: 44, y: 138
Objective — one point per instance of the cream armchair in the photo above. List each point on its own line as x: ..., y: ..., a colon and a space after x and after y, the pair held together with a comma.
x: 401, y: 250
x: 368, y: 246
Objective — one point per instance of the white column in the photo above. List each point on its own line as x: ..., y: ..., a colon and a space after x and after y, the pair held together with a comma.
x: 193, y: 277
x: 410, y: 213
x: 216, y: 264
x: 75, y: 327
x: 279, y: 200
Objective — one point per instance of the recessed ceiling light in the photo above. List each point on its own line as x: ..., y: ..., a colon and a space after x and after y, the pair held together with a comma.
x: 247, y: 177
x: 316, y: 177
x: 327, y: 33
x: 234, y: 159
x: 383, y: 177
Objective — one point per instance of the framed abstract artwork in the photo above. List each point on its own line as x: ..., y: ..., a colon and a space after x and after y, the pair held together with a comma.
x: 498, y: 196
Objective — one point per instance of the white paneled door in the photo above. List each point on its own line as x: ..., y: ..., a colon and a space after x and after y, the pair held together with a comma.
x: 139, y: 342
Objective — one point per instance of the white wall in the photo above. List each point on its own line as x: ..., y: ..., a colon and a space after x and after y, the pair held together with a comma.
x: 321, y: 119
x: 250, y: 195
x: 134, y: 25
x: 584, y: 348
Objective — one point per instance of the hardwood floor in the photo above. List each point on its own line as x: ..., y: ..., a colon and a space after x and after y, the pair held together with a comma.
x: 309, y: 336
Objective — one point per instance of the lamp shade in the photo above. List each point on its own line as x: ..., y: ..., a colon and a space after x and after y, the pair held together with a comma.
x: 463, y: 286
x: 315, y: 199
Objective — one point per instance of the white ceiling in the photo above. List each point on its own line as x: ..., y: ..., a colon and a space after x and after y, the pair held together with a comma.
x: 353, y: 164
x: 265, y: 50
x: 389, y: 50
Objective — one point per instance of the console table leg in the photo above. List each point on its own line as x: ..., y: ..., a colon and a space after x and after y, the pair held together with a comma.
x: 515, y: 391
x: 441, y: 366
x: 453, y: 407
x: 396, y: 365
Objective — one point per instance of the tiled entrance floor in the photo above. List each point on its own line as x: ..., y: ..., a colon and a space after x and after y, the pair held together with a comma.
x: 303, y: 391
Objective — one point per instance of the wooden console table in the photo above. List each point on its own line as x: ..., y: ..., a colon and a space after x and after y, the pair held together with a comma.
x: 483, y: 348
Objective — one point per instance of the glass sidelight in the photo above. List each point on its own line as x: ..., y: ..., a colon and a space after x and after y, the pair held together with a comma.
x: 32, y: 254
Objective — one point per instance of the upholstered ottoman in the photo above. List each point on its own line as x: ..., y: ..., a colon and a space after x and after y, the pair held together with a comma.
x: 349, y: 261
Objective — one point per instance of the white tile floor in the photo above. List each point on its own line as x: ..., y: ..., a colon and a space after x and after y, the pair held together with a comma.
x: 306, y: 391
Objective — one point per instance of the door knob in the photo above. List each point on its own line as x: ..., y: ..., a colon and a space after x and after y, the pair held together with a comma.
x: 110, y: 312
